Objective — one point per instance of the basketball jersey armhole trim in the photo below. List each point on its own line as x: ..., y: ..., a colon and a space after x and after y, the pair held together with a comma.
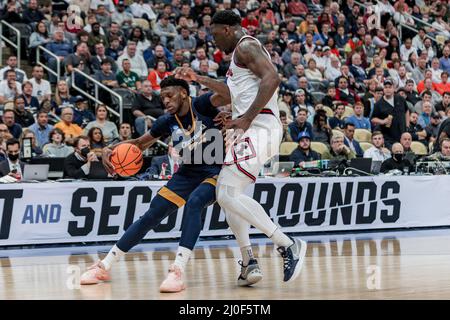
x: 240, y: 41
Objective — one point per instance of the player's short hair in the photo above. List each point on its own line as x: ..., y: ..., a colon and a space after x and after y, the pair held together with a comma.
x: 226, y: 17
x: 174, y: 82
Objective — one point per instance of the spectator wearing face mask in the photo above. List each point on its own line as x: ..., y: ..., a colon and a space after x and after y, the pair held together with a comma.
x: 81, y: 163
x: 398, y: 160
x: 12, y: 165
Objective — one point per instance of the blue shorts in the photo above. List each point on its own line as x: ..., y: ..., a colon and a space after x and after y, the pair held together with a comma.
x: 187, y: 179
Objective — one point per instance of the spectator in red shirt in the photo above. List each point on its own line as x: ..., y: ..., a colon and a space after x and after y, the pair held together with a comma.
x: 444, y: 85
x: 250, y: 22
x: 297, y: 8
x: 266, y: 13
x: 157, y: 75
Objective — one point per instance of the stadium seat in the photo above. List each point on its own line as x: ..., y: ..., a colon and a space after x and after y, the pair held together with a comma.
x: 419, y: 148
x: 318, y: 96
x: 127, y: 97
x: 262, y: 37
x: 348, y: 112
x: 25, y: 33
x: 440, y: 39
x: 286, y: 148
x: 337, y: 132
x: 141, y: 23
x: 317, y: 85
x: 319, y: 147
x: 365, y: 145
x: 363, y: 135
x: 329, y: 111
x: 9, y: 105
x: 297, y: 20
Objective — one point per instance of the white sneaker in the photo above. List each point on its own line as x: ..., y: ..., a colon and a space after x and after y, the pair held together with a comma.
x: 250, y: 274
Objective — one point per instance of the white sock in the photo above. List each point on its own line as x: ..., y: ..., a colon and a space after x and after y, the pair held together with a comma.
x: 113, y: 256
x: 247, y: 255
x: 182, y: 258
x: 280, y: 239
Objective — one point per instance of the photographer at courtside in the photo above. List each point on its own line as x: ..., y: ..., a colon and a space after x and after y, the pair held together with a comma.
x: 83, y: 163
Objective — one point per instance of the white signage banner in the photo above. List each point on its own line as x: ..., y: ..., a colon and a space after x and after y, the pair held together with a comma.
x: 101, y: 211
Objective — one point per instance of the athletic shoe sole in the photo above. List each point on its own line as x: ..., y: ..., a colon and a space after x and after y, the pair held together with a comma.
x: 172, y: 290
x: 252, y: 278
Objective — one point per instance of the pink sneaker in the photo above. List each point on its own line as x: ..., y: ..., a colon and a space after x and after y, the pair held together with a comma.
x: 95, y: 274
x: 174, y: 281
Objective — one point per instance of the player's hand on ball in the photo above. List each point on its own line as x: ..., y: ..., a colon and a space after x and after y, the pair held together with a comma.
x: 106, y: 156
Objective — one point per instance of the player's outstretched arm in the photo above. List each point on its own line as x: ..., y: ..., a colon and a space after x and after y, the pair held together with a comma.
x: 251, y: 55
x: 218, y: 87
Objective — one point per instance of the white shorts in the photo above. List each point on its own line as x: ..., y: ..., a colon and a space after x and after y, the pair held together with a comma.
x: 258, y: 144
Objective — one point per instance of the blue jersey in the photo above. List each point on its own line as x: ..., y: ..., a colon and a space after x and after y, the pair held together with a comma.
x: 197, y: 140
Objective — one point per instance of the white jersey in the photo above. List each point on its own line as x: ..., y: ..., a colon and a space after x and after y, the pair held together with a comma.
x: 262, y: 140
x: 244, y: 86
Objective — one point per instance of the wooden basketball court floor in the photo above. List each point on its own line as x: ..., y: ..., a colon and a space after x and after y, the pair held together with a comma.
x: 389, y: 265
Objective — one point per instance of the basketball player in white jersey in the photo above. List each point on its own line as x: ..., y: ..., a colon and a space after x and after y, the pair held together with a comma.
x: 252, y: 83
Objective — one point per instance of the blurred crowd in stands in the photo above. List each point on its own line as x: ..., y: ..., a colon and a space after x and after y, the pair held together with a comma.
x: 359, y: 79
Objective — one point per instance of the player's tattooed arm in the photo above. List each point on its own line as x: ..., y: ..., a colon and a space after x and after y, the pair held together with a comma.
x: 251, y: 55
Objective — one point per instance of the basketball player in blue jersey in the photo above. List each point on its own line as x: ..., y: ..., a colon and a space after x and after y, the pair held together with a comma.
x: 192, y: 186
x: 251, y: 86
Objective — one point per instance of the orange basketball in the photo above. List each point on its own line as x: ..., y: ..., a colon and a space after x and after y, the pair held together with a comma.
x: 127, y: 159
